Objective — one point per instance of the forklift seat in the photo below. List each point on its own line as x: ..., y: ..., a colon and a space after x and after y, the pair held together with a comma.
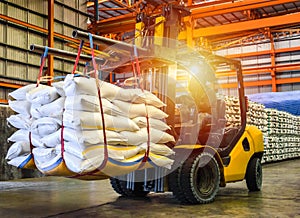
x: 212, y: 128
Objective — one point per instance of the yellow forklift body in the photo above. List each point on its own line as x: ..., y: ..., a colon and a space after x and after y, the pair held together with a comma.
x: 201, y: 148
x: 250, y: 143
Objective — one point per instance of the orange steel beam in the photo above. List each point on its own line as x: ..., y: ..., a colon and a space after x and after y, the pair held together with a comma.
x: 116, y: 27
x: 247, y: 84
x: 273, y: 63
x: 118, y: 18
x: 112, y: 9
x: 262, y: 83
x: 50, y: 67
x: 288, y: 80
x: 233, y: 42
x: 265, y: 52
x: 206, y: 4
x: 259, y: 70
x: 230, y: 36
x: 37, y: 28
x: 10, y: 85
x: 3, y: 101
x: 249, y: 54
x: 243, y: 26
x: 115, y: 24
x: 234, y: 7
x: 91, y: 4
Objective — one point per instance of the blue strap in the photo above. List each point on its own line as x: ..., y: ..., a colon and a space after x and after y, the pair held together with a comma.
x: 44, y: 55
x: 46, y: 51
x: 81, y: 44
x: 59, y: 77
x: 43, y: 58
x: 91, y: 40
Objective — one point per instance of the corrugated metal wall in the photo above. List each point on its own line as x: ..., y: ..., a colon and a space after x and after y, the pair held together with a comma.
x: 263, y: 61
x: 18, y: 64
x: 16, y: 61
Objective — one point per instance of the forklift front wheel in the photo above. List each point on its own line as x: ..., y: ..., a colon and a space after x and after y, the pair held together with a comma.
x: 254, y: 175
x: 200, y: 178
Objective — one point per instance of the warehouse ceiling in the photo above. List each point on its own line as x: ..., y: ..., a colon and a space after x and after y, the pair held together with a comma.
x: 235, y: 17
x: 109, y: 9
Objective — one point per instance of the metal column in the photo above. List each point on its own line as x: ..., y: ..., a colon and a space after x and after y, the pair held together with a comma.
x: 50, y: 71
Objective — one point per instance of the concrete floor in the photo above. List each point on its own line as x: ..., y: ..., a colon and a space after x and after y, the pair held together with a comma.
x: 60, y: 197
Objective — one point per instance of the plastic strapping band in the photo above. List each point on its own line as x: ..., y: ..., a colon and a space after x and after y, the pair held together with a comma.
x: 134, y: 73
x: 93, y: 54
x: 30, y: 144
x: 145, y: 159
x: 137, y: 63
x: 100, y: 101
x: 44, y: 56
x: 78, y: 56
x: 62, y: 140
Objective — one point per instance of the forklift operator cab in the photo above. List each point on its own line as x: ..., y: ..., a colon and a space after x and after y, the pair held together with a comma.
x: 207, y: 106
x: 231, y: 153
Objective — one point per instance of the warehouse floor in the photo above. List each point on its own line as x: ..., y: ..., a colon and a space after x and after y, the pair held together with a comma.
x: 60, y: 197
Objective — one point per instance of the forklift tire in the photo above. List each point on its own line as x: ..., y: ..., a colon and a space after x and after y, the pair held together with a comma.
x: 115, y: 184
x: 198, y: 179
x: 175, y: 185
x: 254, y: 175
x: 120, y: 186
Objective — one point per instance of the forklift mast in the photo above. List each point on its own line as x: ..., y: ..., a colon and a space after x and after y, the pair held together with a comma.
x: 159, y: 36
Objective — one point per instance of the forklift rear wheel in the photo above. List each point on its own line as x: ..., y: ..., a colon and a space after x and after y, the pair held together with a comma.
x: 120, y: 186
x: 115, y: 184
x: 199, y: 179
x: 254, y: 175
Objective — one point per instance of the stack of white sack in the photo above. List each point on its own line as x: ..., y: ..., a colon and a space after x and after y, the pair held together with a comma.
x: 126, y: 137
x: 67, y: 115
x: 32, y: 120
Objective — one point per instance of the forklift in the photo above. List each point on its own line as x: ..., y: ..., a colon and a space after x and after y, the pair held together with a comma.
x: 208, y: 154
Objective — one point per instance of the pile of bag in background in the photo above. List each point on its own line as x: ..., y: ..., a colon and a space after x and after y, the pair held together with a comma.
x: 256, y: 114
x: 74, y: 104
x: 282, y: 140
x: 281, y: 130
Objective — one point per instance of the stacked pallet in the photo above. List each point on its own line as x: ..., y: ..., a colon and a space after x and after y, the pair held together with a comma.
x: 282, y: 140
x: 256, y: 114
x: 232, y: 114
x: 281, y: 130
